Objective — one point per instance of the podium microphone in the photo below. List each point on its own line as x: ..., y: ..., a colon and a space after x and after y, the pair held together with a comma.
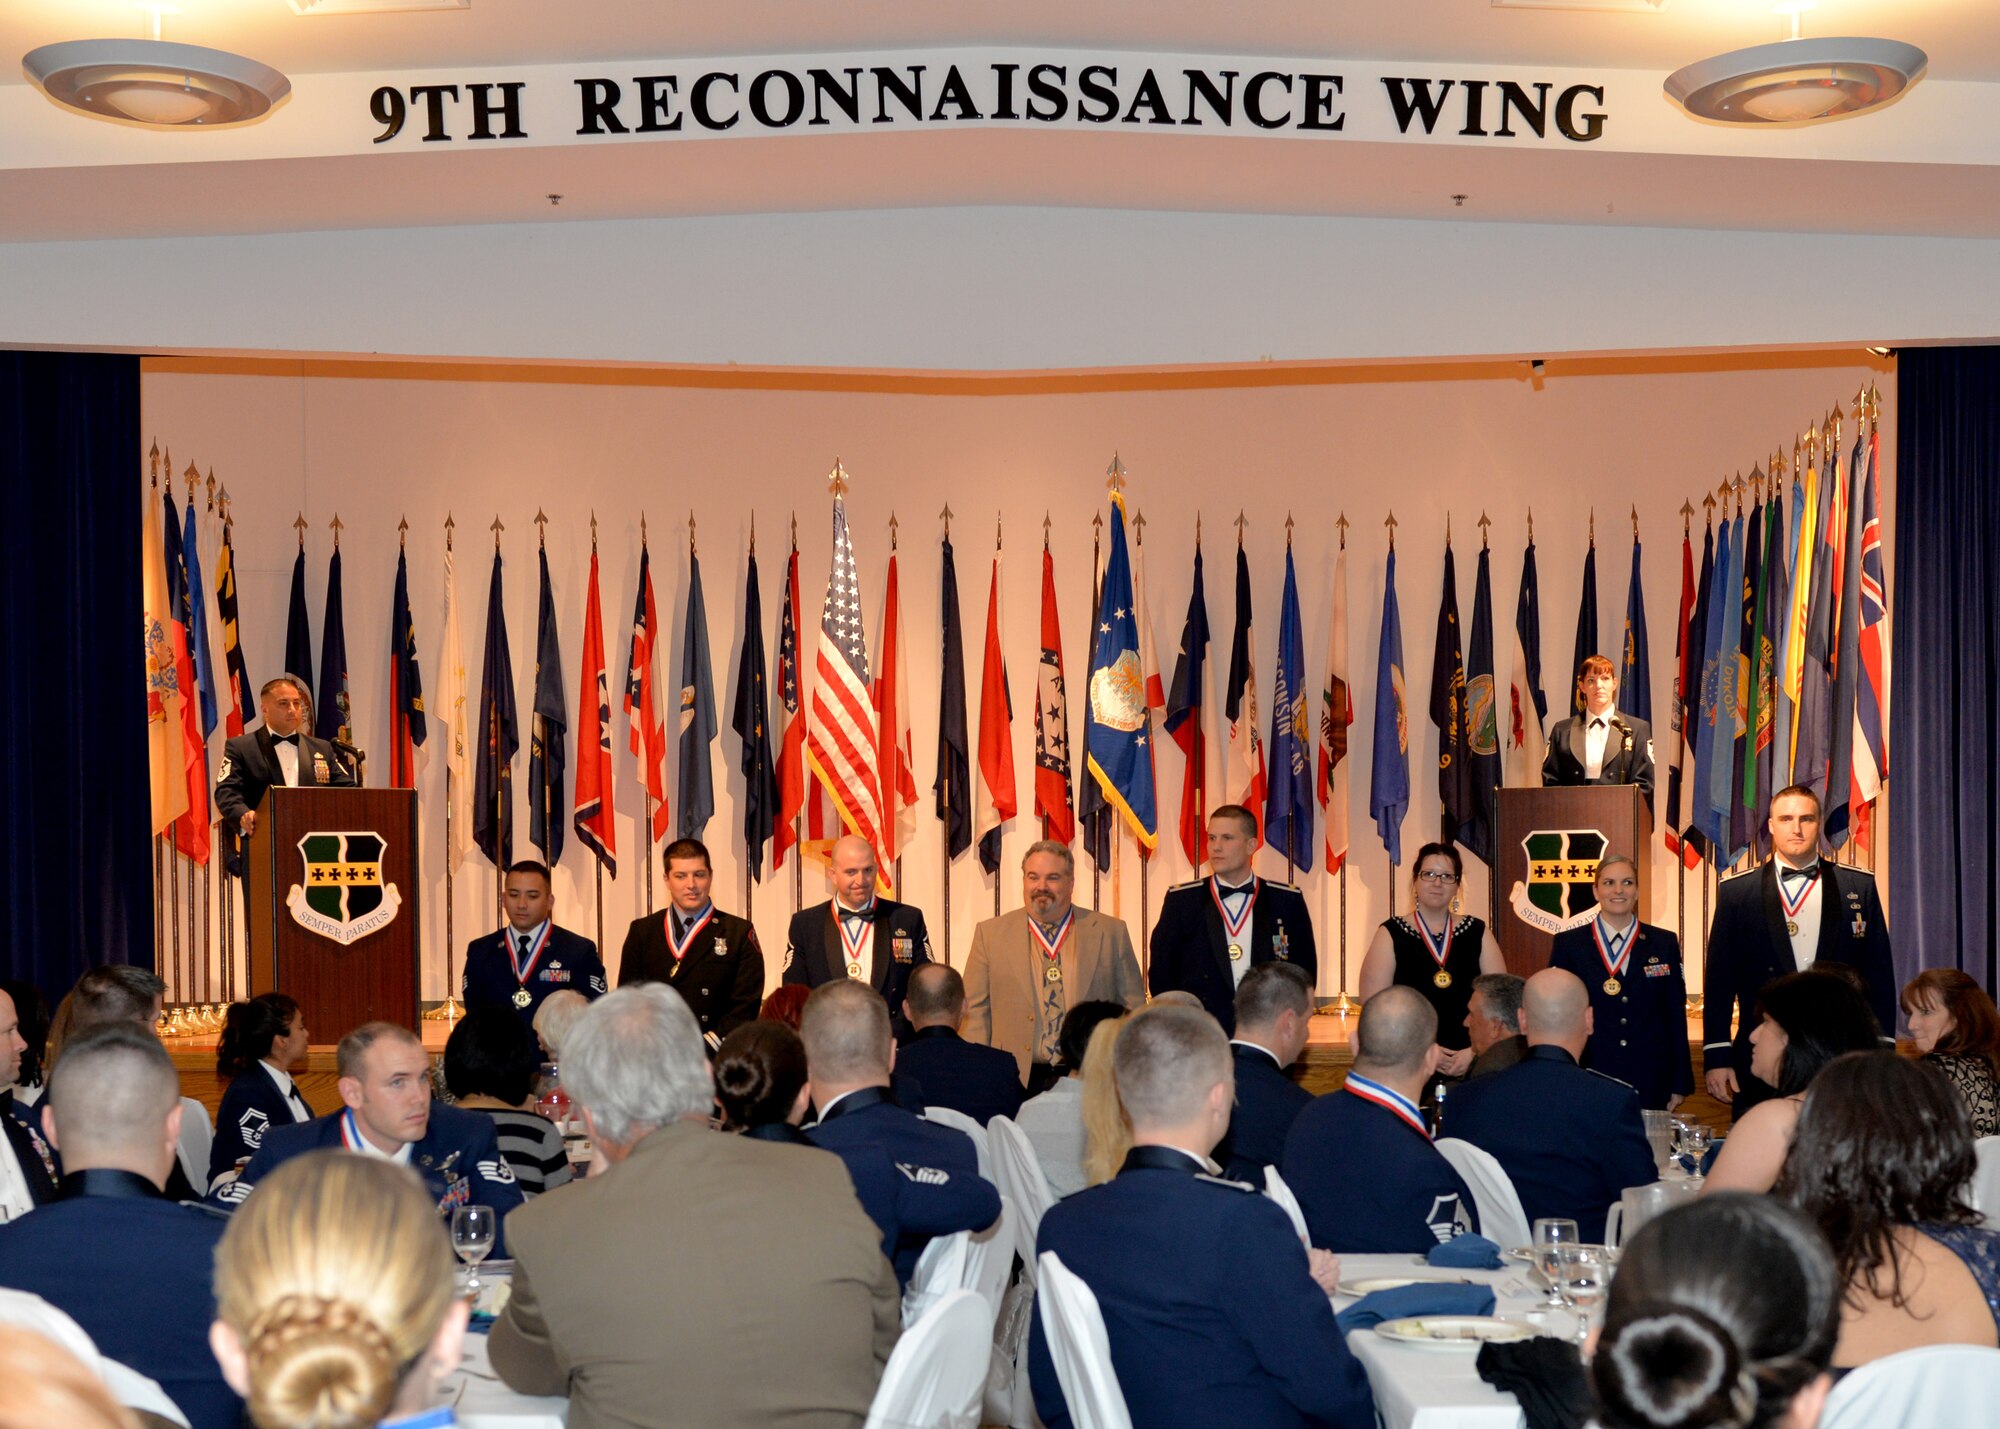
x: 355, y: 757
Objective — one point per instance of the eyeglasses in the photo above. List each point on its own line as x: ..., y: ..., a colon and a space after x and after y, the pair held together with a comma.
x: 1432, y: 875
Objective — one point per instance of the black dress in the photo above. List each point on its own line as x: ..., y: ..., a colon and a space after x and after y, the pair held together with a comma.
x: 1415, y: 967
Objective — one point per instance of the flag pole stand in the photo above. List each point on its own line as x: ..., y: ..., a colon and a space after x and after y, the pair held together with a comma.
x: 944, y: 860
x: 174, y: 918
x: 647, y: 859
x: 448, y: 1011
x: 1346, y: 1004
x: 599, y: 863
x: 159, y: 910
x: 798, y: 867
x: 1145, y: 929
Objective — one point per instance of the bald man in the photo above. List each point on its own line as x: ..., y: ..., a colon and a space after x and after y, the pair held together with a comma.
x: 857, y: 935
x: 1571, y: 1140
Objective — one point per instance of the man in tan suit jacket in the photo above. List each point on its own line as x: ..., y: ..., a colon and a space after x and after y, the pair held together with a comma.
x: 694, y: 1278
x: 1030, y: 966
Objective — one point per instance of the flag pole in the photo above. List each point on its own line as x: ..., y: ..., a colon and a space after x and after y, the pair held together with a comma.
x: 1089, y: 657
x: 596, y: 861
x: 1145, y: 855
x: 447, y: 1011
x: 1000, y: 828
x: 944, y: 799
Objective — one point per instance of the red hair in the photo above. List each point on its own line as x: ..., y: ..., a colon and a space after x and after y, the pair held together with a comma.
x: 786, y: 1004
x: 1975, y: 1022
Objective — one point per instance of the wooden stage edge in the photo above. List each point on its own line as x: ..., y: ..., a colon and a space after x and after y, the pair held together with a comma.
x: 1329, y: 1053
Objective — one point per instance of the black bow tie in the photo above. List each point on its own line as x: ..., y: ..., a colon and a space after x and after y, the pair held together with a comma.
x: 1789, y: 873
x: 291, y: 739
x: 1598, y: 723
x: 1228, y: 892
x: 865, y: 915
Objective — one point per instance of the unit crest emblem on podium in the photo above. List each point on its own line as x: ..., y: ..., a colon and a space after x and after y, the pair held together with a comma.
x: 341, y: 894
x: 1561, y: 888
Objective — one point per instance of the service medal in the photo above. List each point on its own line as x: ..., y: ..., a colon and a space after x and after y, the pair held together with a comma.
x: 1236, y: 929
x: 1054, y: 973
x: 1441, y: 978
x: 1614, y: 951
x: 1052, y: 946
x: 1438, y: 947
x: 1791, y: 928
x: 854, y: 969
x: 526, y: 970
x: 681, y: 946
x: 1792, y: 905
x: 1612, y: 986
x: 1236, y: 952
x: 522, y: 997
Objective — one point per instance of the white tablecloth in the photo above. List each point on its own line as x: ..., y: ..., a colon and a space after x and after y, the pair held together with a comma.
x: 1441, y: 1388
x: 483, y: 1402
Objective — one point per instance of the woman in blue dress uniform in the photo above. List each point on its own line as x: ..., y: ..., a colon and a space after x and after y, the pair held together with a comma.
x: 1638, y: 992
x: 263, y: 1039
x: 1435, y: 950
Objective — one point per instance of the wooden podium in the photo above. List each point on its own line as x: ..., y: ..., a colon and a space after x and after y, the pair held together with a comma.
x: 1547, y: 843
x: 332, y: 905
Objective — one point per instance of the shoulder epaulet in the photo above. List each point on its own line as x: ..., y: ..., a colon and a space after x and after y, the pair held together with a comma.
x: 1280, y: 883
x: 1225, y: 1181
x: 212, y: 1212
x: 1609, y: 1078
x: 1191, y: 883
x: 1741, y: 872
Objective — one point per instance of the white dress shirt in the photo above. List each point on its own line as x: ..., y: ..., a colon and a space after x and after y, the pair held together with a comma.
x: 14, y: 1198
x: 1805, y: 942
x: 287, y: 754
x: 1233, y: 901
x: 300, y: 1112
x: 1596, y: 734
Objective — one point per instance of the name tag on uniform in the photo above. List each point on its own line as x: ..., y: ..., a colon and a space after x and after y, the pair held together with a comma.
x: 903, y: 947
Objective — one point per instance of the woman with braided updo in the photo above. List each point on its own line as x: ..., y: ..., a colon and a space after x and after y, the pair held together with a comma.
x: 1723, y: 1313
x: 335, y: 1303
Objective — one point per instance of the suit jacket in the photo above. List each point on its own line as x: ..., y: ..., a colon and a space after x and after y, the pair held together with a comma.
x: 1267, y: 1102
x: 251, y: 1106
x: 701, y: 1316
x: 1499, y: 1057
x: 136, y: 1271
x: 978, y: 1080
x: 1748, y: 947
x: 1640, y: 1033
x: 1212, y: 1316
x: 569, y: 963
x: 1370, y: 1183
x: 1625, y: 762
x: 249, y: 768
x: 1003, y: 977
x: 1571, y: 1140
x: 940, y: 1157
x: 40, y: 1167
x: 814, y: 953
x: 1190, y: 947
x: 722, y: 979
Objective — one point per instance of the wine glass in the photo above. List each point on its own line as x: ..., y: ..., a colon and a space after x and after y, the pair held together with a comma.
x: 1582, y: 1279
x: 1551, y: 1235
x: 1694, y: 1142
x: 472, y: 1232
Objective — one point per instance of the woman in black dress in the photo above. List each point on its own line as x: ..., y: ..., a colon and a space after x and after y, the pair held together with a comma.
x: 1436, y: 950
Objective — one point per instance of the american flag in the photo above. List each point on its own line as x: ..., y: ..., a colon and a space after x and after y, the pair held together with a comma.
x: 840, y: 726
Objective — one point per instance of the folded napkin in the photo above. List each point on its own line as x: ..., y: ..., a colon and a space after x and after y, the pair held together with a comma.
x: 1466, y: 1252
x: 1409, y: 1301
x: 1546, y: 1375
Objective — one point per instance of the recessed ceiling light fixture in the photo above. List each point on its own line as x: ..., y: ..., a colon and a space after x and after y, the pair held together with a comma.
x: 156, y: 83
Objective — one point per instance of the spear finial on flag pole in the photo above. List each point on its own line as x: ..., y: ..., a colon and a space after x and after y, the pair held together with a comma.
x: 403, y: 534
x: 1047, y: 522
x: 448, y: 525
x: 155, y: 459
x: 593, y: 533
x: 301, y: 524
x: 1391, y: 524
x: 944, y: 516
x: 691, y: 545
x: 1447, y: 530
x: 893, y: 523
x: 996, y: 532
x: 1340, y: 521
x: 1484, y: 522
x: 335, y: 527
x: 1687, y: 517
x: 211, y: 488
x: 1709, y: 502
x: 1115, y: 475
x: 1593, y: 525
x: 222, y: 505
x: 1197, y: 529
x: 193, y: 475
x: 1139, y: 528
x: 837, y: 480
x: 1288, y: 529
x: 541, y: 528
x: 1635, y: 522
x: 496, y: 528
x: 753, y: 533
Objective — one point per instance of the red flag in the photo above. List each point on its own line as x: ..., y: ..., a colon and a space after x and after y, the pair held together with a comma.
x: 191, y: 829
x: 792, y: 742
x: 1052, y: 765
x: 893, y: 758
x: 594, y: 801
x: 642, y: 704
x: 997, y: 803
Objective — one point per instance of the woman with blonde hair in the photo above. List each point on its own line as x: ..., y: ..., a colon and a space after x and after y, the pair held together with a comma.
x: 1107, y: 1130
x: 335, y: 1303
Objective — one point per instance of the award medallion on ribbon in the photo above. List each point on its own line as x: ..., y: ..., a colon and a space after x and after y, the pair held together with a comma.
x: 1237, y: 929
x: 1793, y: 905
x: 1052, y: 947
x: 854, y: 943
x: 1438, y: 945
x: 1615, y: 950
x: 679, y: 946
x: 525, y: 970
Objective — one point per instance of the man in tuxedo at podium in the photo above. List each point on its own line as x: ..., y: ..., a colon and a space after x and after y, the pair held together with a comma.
x: 281, y: 751
x: 521, y: 964
x: 711, y: 958
x: 1600, y: 746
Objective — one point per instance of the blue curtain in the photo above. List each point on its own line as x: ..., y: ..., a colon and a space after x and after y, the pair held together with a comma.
x: 73, y: 835
x: 1945, y: 695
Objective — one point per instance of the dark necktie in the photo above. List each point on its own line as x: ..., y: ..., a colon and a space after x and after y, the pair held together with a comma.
x: 526, y: 943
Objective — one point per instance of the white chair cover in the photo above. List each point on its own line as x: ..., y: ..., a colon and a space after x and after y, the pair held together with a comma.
x: 937, y: 1373
x: 1080, y: 1348
x: 197, y: 1136
x: 958, y: 1120
x: 1986, y: 1182
x: 1501, y: 1219
x: 1019, y: 1176
x: 989, y: 1258
x: 127, y: 1385
x: 1277, y: 1190
x: 940, y: 1270
x: 1937, y: 1387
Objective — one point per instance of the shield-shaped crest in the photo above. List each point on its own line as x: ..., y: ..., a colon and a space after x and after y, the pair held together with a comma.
x: 1560, y: 891
x: 341, y: 894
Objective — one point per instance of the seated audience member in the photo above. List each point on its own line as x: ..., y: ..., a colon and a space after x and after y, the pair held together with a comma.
x: 27, y: 1161
x: 1493, y: 1018
x: 386, y: 1111
x: 1723, y: 1313
x: 761, y: 1085
x: 1957, y: 1030
x: 1359, y: 1159
x: 262, y: 1040
x: 981, y: 1081
x: 128, y: 1265
x: 1882, y: 1159
x: 1107, y: 1131
x: 1215, y: 1313
x: 1053, y: 1121
x: 335, y: 1302
x: 1176, y: 997
x: 848, y: 1053
x: 694, y: 1279
x: 557, y: 1014
x: 119, y: 992
x: 490, y: 1061
x: 1571, y: 1140
x: 43, y: 1385
x: 786, y: 1004
x: 1807, y: 1020
x: 31, y: 1011
x: 1274, y: 1008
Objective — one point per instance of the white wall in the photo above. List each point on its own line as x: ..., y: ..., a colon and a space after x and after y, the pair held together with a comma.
x: 476, y: 444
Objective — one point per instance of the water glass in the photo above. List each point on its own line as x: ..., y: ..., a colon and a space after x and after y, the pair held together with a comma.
x: 1582, y: 1280
x: 1694, y: 1144
x: 1551, y: 1235
x: 472, y: 1232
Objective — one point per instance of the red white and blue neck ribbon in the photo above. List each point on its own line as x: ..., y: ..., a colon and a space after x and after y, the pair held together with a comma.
x: 350, y: 1134
x: 541, y: 943
x: 1793, y: 905
x: 1238, y: 927
x: 679, y: 946
x: 863, y: 928
x: 1052, y: 947
x: 1388, y: 1099
x: 1440, y: 947
x: 1614, y: 948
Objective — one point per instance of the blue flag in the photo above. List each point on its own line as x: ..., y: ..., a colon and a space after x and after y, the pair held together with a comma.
x: 953, y: 785
x: 332, y: 719
x: 1838, y: 823
x: 697, y: 781
x: 1184, y: 721
x: 1457, y: 806
x: 1742, y: 823
x: 197, y: 608
x: 1093, y: 814
x: 498, y: 738
x: 1389, y: 778
x: 1586, y: 628
x: 1814, y: 738
x: 1120, y: 755
x: 1482, y: 730
x: 1725, y: 618
x: 1686, y: 794
x: 298, y: 626
x: 748, y: 719
x: 547, y: 730
x: 1635, y: 679
x: 1288, y: 806
x: 408, y: 727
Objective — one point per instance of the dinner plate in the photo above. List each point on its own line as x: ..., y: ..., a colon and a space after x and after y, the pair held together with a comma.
x: 1526, y: 1253
x: 1453, y: 1332
x: 1369, y: 1286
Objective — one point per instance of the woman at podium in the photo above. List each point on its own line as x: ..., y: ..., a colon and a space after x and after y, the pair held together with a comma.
x: 1435, y: 950
x: 1600, y: 746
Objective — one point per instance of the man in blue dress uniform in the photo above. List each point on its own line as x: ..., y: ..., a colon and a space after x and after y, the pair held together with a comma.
x: 1214, y: 930
x: 1274, y: 1009
x: 522, y: 963
x: 857, y: 934
x: 385, y: 1085
x: 1360, y: 1159
x: 1216, y: 1315
x: 970, y: 1077
x: 1571, y: 1140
